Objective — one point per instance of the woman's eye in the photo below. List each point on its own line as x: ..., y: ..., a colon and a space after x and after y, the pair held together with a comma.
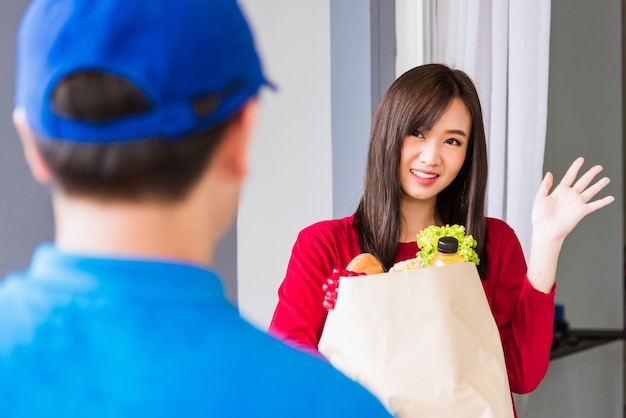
x: 418, y: 134
x: 452, y: 141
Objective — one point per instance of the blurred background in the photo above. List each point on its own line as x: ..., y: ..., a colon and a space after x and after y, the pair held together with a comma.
x: 550, y: 77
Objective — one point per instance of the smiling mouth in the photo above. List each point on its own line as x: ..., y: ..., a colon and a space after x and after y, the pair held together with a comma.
x: 423, y: 175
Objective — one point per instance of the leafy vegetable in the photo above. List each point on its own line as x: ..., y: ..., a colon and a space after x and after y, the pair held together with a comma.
x: 427, y: 242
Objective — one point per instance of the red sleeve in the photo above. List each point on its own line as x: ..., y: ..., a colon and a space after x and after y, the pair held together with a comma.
x: 299, y: 316
x: 524, y: 315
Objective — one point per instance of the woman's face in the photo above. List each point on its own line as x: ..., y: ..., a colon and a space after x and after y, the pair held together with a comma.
x: 430, y: 160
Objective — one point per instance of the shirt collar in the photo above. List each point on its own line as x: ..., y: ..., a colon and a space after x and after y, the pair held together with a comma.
x: 137, y: 275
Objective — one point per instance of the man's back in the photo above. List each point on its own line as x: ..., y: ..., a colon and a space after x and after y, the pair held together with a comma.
x: 105, y: 337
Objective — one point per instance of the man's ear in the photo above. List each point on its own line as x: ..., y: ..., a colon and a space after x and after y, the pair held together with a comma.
x: 234, y: 148
x: 38, y: 167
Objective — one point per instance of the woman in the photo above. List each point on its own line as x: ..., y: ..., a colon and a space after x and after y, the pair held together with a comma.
x: 427, y: 164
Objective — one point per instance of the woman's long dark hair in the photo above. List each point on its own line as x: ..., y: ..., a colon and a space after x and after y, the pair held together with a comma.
x: 416, y: 101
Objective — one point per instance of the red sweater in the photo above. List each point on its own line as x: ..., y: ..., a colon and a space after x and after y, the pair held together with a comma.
x: 524, y: 315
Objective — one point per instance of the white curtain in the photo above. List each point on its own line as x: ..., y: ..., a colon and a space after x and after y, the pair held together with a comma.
x: 504, y: 46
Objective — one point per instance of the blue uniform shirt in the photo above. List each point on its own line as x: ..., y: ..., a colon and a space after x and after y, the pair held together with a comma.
x: 97, y: 337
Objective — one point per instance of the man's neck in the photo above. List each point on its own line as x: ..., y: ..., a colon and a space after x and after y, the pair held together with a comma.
x: 144, y: 230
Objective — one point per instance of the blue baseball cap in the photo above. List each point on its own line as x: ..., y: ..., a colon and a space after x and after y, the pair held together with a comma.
x: 173, y: 51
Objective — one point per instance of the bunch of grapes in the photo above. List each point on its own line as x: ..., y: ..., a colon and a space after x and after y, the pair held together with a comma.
x: 332, y: 283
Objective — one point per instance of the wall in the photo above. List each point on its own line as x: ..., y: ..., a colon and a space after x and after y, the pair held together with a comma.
x: 584, y: 385
x: 25, y: 208
x: 350, y: 101
x: 585, y: 118
x: 290, y: 183
x: 309, y: 151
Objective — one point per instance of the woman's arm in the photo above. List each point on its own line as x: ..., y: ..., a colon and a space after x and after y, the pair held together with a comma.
x: 524, y: 315
x: 523, y: 300
x: 299, y: 316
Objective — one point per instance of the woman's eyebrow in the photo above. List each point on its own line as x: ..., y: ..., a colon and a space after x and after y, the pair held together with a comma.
x: 456, y: 131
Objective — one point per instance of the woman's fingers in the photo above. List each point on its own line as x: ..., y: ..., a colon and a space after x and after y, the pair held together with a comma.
x: 569, y: 188
x: 600, y: 203
x: 586, y: 179
x: 594, y: 189
x: 581, y: 186
x: 546, y: 185
x: 572, y: 172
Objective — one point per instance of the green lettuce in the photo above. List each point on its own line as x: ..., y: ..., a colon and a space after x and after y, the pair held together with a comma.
x: 427, y: 242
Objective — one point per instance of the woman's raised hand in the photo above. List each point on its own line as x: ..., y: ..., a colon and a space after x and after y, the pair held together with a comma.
x: 557, y: 213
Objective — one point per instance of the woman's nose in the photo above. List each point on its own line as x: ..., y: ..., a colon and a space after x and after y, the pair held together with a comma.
x: 430, y: 153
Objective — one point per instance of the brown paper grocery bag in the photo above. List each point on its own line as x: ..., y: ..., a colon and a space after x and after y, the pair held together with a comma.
x: 423, y: 341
